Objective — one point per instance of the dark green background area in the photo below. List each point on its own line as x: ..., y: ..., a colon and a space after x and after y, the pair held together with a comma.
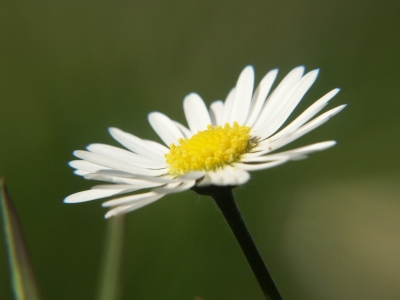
x: 327, y: 226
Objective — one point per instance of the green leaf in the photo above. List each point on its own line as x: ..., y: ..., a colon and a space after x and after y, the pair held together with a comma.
x: 111, y: 264
x: 23, y: 281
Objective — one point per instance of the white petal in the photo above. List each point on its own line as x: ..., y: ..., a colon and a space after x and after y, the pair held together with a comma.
x: 108, y: 178
x: 291, y: 154
x: 90, y: 195
x: 274, y: 101
x: 136, y: 144
x: 306, y: 115
x: 269, y: 146
x: 132, y: 185
x: 255, y: 167
x: 128, y: 208
x: 135, y: 183
x: 186, y: 132
x: 117, y: 165
x: 228, y: 106
x: 80, y: 172
x: 217, y: 112
x: 131, y: 199
x: 196, y: 113
x: 168, y: 189
x: 228, y: 177
x: 290, y: 102
x: 258, y: 156
x: 318, y: 121
x: 242, y: 176
x: 259, y: 96
x: 112, y: 187
x: 125, y: 156
x: 210, y: 178
x: 233, y: 176
x: 85, y: 165
x: 163, y: 179
x: 244, y: 90
x: 165, y: 128
x: 223, y: 177
x: 117, y: 211
x: 191, y: 176
x: 312, y: 148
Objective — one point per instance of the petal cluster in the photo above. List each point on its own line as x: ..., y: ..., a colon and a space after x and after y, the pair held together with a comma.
x: 142, y: 164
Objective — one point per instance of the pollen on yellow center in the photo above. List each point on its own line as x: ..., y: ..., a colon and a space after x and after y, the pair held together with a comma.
x: 209, y: 150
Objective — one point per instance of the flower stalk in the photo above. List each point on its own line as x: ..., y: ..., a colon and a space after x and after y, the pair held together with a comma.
x: 225, y: 200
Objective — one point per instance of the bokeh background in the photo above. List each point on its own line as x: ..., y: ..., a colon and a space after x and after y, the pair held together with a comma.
x: 328, y: 226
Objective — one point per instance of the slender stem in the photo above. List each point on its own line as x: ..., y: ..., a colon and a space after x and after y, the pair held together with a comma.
x: 225, y: 200
x: 109, y: 283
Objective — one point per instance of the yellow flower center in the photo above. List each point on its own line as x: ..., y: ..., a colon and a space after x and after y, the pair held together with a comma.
x: 210, y: 149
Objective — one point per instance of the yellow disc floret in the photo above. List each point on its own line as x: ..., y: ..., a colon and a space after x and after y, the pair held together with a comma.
x: 209, y: 150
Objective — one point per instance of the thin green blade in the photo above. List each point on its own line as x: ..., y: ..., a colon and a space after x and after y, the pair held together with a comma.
x: 111, y: 264
x: 23, y: 281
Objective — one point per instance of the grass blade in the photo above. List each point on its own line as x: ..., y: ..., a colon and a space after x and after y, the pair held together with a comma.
x: 111, y: 264
x: 23, y: 281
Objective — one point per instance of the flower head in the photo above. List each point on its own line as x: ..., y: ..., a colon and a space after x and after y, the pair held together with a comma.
x: 219, y: 147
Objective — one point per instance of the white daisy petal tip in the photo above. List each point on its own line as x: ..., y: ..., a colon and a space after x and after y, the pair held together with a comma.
x: 196, y: 113
x: 164, y: 127
x: 191, y: 98
x: 90, y: 195
x: 248, y: 71
x: 319, y: 146
x: 90, y: 147
x: 331, y: 94
x: 314, y: 74
x: 80, y: 172
x: 327, y: 144
x: 243, y: 94
x: 113, y: 213
x: 113, y: 130
x: 108, y: 215
x: 337, y: 110
x: 273, y: 73
x: 298, y: 69
x: 75, y: 153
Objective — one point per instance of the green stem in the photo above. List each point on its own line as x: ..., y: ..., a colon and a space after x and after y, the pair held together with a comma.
x: 225, y: 200
x: 108, y: 288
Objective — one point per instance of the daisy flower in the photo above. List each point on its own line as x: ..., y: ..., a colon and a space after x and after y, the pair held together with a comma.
x: 220, y: 146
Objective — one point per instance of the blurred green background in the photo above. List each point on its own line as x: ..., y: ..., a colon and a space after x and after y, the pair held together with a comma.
x: 328, y: 226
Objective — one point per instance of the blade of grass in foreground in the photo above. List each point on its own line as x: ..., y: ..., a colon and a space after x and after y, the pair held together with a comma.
x: 111, y: 264
x: 23, y: 281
